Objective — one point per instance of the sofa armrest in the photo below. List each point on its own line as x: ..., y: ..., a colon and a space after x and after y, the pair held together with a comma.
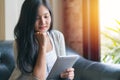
x: 91, y: 70
x: 6, y: 59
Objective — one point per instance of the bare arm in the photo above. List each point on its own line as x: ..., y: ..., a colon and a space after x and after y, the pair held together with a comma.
x: 40, y: 66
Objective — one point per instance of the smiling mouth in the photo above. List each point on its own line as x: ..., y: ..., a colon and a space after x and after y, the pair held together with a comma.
x: 42, y: 28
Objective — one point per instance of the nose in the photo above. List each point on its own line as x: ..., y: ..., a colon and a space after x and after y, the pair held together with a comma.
x: 42, y: 21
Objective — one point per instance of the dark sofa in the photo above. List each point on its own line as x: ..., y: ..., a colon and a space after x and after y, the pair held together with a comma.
x: 6, y: 59
x: 91, y: 70
x: 84, y: 69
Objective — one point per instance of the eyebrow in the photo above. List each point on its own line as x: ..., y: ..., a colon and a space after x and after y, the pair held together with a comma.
x: 43, y: 14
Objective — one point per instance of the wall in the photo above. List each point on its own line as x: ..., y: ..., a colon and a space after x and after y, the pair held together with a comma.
x: 57, y: 7
x: 73, y: 24
x: 12, y: 9
x: 9, y: 13
x: 2, y: 20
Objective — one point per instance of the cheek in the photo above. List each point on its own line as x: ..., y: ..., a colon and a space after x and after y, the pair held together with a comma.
x: 49, y: 21
x: 37, y: 23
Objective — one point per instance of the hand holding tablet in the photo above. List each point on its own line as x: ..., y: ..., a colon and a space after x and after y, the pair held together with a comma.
x: 61, y: 64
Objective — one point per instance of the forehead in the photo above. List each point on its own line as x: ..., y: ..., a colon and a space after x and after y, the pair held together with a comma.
x: 42, y: 10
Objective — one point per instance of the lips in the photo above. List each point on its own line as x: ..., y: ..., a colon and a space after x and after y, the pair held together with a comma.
x: 42, y: 28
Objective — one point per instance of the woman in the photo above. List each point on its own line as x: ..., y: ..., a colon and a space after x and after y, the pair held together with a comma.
x: 37, y: 44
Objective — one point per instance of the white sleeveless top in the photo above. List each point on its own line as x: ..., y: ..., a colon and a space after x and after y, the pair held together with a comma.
x: 50, y: 57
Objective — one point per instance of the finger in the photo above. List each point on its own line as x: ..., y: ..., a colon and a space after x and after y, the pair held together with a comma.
x: 70, y: 69
x: 37, y: 32
x: 64, y: 75
x: 70, y: 78
x: 70, y: 72
x: 71, y: 75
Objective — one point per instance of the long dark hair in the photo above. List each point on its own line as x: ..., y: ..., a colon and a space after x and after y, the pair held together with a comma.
x: 24, y: 34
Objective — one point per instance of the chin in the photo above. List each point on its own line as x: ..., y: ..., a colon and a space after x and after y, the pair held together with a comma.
x: 43, y: 31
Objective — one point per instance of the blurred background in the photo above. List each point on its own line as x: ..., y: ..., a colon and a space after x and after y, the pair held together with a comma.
x: 90, y: 27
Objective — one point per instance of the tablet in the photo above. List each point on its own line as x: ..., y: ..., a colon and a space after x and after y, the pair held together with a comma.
x: 61, y: 64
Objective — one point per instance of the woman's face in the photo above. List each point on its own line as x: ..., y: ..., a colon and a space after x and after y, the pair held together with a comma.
x: 43, y: 20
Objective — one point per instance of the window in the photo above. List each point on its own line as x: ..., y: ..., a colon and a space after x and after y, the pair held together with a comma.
x: 110, y: 30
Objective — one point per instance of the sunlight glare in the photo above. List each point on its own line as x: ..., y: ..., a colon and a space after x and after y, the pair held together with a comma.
x: 109, y: 11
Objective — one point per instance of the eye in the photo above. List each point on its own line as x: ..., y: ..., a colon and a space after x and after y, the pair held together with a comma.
x: 46, y: 16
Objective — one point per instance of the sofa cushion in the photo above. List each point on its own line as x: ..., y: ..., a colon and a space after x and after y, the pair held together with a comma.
x: 6, y: 59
